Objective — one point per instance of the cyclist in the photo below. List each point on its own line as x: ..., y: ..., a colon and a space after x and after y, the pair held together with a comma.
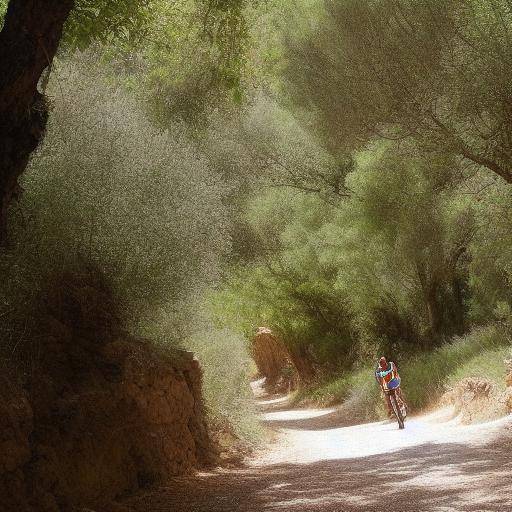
x: 388, y: 378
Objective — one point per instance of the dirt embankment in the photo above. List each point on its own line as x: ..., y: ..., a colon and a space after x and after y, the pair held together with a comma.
x: 476, y: 399
x: 99, y: 416
x: 273, y: 362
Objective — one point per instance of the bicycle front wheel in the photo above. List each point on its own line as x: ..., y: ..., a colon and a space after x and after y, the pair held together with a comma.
x: 396, y: 410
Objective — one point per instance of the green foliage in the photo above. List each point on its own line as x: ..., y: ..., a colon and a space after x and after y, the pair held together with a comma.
x: 109, y: 190
x: 186, y: 53
x: 122, y: 22
x: 401, y: 256
x: 491, y: 254
x: 3, y: 9
x: 291, y: 289
x: 105, y: 21
x: 425, y: 376
x: 193, y: 58
x: 437, y: 72
x: 345, y: 281
x: 486, y: 365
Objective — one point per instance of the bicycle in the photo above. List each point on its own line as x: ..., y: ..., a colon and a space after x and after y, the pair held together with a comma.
x: 398, y: 405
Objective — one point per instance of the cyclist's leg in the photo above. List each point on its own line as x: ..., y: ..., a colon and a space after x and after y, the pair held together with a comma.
x: 388, y: 405
x: 400, y: 398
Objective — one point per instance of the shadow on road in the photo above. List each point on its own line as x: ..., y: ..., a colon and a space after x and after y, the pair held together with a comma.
x: 425, y: 478
x: 330, y: 420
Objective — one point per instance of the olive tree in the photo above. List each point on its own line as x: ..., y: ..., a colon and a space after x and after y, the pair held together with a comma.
x: 438, y: 72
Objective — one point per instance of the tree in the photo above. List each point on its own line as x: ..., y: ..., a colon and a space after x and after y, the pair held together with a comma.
x: 403, y: 242
x: 385, y: 269
x: 28, y: 42
x: 438, y: 72
x: 30, y: 37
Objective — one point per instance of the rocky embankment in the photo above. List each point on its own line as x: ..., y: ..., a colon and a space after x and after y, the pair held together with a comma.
x: 273, y: 361
x: 99, y: 416
x: 477, y: 400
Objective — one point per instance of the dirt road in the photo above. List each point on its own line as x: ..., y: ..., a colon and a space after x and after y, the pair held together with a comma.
x: 317, y: 464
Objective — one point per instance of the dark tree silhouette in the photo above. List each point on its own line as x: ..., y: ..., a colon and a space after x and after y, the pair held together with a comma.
x: 28, y: 42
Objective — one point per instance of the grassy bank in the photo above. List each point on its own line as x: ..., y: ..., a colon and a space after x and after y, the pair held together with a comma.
x: 425, y: 377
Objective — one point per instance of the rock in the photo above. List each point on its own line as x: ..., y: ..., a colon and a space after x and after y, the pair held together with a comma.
x: 273, y: 362
x: 507, y: 399
x: 475, y: 400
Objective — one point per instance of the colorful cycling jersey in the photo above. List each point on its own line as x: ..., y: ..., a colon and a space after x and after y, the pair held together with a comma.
x: 388, y: 378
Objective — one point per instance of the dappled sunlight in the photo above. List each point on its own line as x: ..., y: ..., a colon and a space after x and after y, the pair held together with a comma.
x: 272, y: 402
x: 304, y: 442
x: 427, y: 478
x: 299, y: 414
x: 434, y: 465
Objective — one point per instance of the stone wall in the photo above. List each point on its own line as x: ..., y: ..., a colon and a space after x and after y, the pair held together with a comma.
x: 133, y: 421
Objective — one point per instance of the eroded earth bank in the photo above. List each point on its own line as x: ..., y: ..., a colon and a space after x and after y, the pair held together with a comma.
x: 99, y: 415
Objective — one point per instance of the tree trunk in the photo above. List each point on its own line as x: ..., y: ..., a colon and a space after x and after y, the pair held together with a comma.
x: 28, y: 43
x: 459, y: 312
x: 435, y: 312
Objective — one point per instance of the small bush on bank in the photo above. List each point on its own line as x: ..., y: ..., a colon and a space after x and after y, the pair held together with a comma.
x: 226, y: 366
x: 427, y: 376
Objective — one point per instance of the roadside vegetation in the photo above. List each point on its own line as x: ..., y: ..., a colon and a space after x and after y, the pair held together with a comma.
x: 347, y: 185
x: 426, y: 376
x: 385, y: 225
x: 122, y: 194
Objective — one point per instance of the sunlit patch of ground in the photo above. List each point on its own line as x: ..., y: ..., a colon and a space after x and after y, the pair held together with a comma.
x: 317, y: 464
x: 303, y: 440
x: 298, y: 414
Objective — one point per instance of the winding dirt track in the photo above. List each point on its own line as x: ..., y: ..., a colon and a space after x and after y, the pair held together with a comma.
x: 317, y: 464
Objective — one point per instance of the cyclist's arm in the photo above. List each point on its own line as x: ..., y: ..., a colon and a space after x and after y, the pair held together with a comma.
x: 384, y: 373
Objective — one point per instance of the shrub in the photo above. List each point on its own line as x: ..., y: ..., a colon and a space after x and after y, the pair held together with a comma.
x: 227, y: 367
x: 110, y: 190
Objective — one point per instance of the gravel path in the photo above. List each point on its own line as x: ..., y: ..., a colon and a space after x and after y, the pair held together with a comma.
x: 317, y: 464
